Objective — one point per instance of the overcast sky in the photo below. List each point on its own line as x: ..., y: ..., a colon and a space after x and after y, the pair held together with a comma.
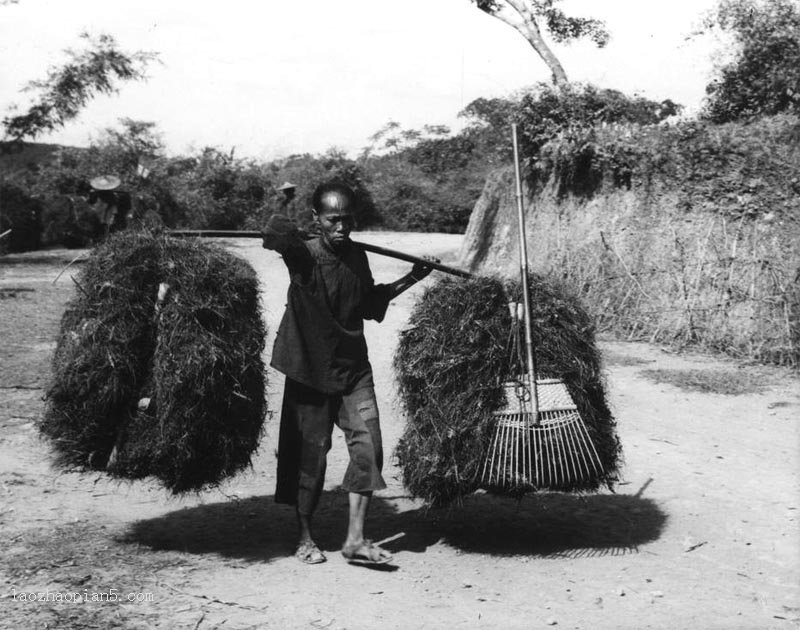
x: 272, y: 78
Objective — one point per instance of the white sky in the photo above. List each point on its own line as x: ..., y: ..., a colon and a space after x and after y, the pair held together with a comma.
x: 274, y: 77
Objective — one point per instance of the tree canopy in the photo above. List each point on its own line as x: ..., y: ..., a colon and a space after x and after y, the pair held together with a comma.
x: 764, y: 75
x: 530, y: 17
x: 66, y: 89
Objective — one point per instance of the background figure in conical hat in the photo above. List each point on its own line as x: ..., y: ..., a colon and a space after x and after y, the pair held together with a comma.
x: 109, y: 203
x: 288, y: 199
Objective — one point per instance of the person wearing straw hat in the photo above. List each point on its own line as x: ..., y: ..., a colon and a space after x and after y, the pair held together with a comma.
x: 106, y: 203
x: 320, y: 347
x: 288, y: 200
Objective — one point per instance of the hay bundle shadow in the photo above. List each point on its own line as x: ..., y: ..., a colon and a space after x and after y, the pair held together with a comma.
x: 158, y: 369
x: 451, y: 365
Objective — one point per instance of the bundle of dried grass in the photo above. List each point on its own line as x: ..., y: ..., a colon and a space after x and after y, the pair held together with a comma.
x: 158, y: 369
x: 451, y: 364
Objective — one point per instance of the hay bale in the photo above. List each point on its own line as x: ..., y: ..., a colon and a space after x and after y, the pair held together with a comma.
x: 451, y: 364
x: 170, y: 388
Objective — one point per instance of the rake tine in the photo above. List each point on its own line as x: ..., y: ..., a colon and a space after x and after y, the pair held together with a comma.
x: 510, y: 451
x: 562, y: 453
x: 516, y: 447
x: 512, y: 459
x: 509, y: 467
x: 596, y: 458
x: 521, y: 455
x: 552, y: 457
x: 545, y: 457
x: 488, y: 465
x: 580, y: 449
x: 551, y: 460
x: 569, y: 427
x: 520, y: 448
x: 499, y: 450
x: 534, y: 456
x: 539, y: 457
x: 515, y: 454
x: 496, y: 453
x: 589, y: 447
x: 562, y: 444
x: 503, y: 455
x: 527, y: 455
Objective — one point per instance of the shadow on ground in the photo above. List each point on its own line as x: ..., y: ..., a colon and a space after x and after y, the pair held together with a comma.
x: 551, y: 525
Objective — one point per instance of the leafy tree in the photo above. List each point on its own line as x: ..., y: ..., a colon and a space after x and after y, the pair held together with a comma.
x: 392, y: 137
x: 137, y: 142
x: 117, y: 151
x: 531, y: 17
x: 68, y: 88
x: 306, y: 171
x: 218, y: 191
x: 764, y: 75
x: 572, y: 116
x: 488, y: 121
x: 409, y: 198
x: 544, y: 111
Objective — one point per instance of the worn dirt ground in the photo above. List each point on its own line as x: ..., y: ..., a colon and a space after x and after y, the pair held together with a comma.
x: 703, y: 531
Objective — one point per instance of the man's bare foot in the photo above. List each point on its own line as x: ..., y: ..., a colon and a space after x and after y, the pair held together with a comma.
x: 308, y: 552
x: 365, y: 552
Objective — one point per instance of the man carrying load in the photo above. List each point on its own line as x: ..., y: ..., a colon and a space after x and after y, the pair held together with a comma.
x: 320, y: 347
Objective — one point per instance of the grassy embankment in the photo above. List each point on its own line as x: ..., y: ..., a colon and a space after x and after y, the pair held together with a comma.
x: 686, y: 235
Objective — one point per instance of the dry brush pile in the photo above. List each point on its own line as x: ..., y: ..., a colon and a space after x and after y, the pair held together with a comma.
x: 158, y: 369
x: 451, y: 364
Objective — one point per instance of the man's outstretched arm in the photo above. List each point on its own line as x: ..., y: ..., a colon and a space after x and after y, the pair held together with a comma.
x: 282, y: 235
x: 418, y: 272
x: 377, y: 301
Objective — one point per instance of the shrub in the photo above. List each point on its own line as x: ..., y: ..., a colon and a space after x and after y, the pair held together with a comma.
x: 21, y: 214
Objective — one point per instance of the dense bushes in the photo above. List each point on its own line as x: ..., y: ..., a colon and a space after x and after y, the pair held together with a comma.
x: 69, y: 221
x: 411, y: 199
x: 763, y: 75
x: 21, y: 214
x: 741, y: 169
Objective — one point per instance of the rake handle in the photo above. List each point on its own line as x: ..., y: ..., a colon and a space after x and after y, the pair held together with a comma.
x: 523, y: 260
x: 375, y: 249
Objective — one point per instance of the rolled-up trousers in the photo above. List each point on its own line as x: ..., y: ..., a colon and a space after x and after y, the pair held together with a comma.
x: 307, y: 420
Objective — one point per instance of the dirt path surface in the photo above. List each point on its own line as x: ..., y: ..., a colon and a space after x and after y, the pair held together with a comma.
x: 703, y: 532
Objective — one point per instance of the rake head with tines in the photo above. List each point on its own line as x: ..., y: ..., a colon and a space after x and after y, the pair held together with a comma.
x: 548, y: 448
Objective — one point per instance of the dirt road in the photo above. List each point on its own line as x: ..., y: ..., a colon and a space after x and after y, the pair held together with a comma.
x: 703, y: 531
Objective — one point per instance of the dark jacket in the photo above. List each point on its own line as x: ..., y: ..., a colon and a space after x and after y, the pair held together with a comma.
x: 320, y: 341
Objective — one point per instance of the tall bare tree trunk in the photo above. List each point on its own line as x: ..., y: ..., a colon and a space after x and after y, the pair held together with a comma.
x: 523, y: 20
x: 534, y: 37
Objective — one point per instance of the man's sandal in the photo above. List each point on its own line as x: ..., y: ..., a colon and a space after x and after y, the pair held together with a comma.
x: 366, y: 553
x: 309, y: 553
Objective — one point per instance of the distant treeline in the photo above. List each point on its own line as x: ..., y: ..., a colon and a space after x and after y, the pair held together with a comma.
x: 407, y: 179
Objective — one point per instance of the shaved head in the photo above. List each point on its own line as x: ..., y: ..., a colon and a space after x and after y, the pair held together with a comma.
x: 333, y: 197
x: 334, y: 206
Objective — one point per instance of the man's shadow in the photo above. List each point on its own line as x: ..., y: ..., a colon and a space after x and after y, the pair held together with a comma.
x: 544, y: 525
